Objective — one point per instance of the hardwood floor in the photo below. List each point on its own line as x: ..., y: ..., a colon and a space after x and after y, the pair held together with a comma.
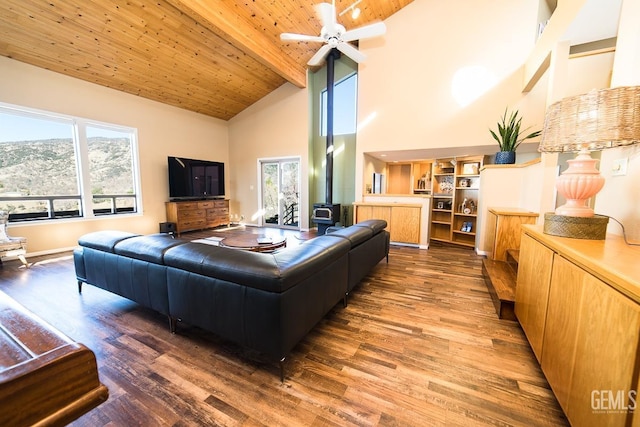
x: 419, y: 345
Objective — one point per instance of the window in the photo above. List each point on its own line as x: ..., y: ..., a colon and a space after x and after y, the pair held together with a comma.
x: 344, y: 107
x: 54, y: 166
x: 111, y: 170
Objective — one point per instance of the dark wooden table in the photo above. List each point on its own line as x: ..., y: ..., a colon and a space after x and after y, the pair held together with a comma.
x: 249, y: 242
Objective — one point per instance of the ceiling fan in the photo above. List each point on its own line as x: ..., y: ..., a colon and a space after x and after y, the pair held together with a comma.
x: 334, y: 35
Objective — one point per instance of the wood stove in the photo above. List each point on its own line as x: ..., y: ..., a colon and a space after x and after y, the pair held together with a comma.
x: 325, y: 215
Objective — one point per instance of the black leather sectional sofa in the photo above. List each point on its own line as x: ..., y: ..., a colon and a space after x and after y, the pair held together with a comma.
x: 264, y: 301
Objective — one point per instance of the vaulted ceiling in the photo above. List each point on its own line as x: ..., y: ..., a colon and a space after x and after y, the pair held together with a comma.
x: 214, y: 57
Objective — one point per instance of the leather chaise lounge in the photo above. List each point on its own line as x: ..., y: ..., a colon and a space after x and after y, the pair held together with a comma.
x: 266, y: 302
x: 369, y: 244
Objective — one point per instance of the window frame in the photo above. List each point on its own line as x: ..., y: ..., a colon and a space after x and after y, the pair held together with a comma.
x: 81, y: 159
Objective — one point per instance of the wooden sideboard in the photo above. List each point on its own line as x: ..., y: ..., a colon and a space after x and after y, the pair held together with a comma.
x: 403, y: 220
x: 578, y: 302
x: 198, y: 215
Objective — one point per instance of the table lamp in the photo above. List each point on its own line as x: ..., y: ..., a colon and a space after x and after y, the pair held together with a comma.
x: 593, y: 121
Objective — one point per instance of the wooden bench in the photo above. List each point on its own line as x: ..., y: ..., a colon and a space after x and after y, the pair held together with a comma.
x: 45, y: 377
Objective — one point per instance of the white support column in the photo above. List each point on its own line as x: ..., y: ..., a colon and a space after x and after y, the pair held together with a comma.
x: 620, y: 197
x: 558, y: 76
x: 626, y: 64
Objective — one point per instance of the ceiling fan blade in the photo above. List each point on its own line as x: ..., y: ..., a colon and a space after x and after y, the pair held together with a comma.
x: 300, y: 37
x: 351, y: 52
x: 368, y: 31
x: 327, y: 14
x: 319, y: 56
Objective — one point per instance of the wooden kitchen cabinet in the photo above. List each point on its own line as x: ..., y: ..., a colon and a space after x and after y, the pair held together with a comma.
x: 403, y: 220
x: 409, y: 177
x: 365, y: 212
x: 405, y: 224
x: 454, y: 186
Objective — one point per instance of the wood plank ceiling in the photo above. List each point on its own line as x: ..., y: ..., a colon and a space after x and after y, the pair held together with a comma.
x: 212, y: 57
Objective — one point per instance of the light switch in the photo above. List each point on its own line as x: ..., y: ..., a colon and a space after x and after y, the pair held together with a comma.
x: 619, y: 167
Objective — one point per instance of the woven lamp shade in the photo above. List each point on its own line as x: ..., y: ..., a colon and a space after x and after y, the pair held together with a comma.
x: 596, y: 120
x: 593, y: 121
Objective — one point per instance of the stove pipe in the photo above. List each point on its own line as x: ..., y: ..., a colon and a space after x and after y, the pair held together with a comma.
x: 333, y: 54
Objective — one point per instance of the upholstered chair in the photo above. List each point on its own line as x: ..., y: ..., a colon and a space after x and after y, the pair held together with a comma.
x: 11, y: 246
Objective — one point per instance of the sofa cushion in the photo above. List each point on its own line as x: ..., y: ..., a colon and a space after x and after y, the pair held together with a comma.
x: 307, y: 259
x: 273, y: 272
x: 222, y: 263
x: 104, y: 240
x: 355, y: 235
x: 377, y: 225
x: 149, y: 248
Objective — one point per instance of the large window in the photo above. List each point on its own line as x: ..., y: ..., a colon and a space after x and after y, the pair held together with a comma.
x: 54, y: 166
x: 344, y: 106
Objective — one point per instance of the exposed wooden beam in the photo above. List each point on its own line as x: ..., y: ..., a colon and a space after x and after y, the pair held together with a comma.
x: 227, y: 20
x: 216, y: 59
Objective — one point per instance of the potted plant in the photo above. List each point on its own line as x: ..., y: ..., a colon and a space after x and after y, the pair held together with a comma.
x: 510, y: 136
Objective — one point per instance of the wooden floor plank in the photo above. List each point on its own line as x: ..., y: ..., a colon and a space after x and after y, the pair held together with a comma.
x: 418, y: 345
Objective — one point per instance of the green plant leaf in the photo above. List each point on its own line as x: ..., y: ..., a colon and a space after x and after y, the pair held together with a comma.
x: 509, y: 135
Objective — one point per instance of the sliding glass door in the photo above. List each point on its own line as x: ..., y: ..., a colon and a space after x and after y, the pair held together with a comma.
x: 280, y: 182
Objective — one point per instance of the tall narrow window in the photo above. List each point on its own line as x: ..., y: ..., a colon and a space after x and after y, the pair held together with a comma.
x: 280, y: 182
x: 111, y: 170
x: 344, y: 107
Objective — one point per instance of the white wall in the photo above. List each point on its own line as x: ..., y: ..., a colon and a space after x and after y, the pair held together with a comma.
x: 274, y: 127
x: 162, y: 131
x: 405, y: 87
x: 620, y: 197
x: 406, y: 83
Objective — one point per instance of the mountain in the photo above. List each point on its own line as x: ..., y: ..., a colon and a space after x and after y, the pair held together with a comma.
x: 48, y: 168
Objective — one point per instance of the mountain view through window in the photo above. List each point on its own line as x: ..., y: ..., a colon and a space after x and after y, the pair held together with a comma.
x: 40, y: 167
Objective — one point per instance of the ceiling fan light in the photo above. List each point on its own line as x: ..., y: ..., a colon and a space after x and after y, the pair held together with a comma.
x: 335, y: 36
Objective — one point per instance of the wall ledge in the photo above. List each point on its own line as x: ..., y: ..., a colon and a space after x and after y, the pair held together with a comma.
x: 513, y: 166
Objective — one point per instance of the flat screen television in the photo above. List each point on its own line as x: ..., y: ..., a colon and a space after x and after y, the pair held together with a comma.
x: 195, y: 179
